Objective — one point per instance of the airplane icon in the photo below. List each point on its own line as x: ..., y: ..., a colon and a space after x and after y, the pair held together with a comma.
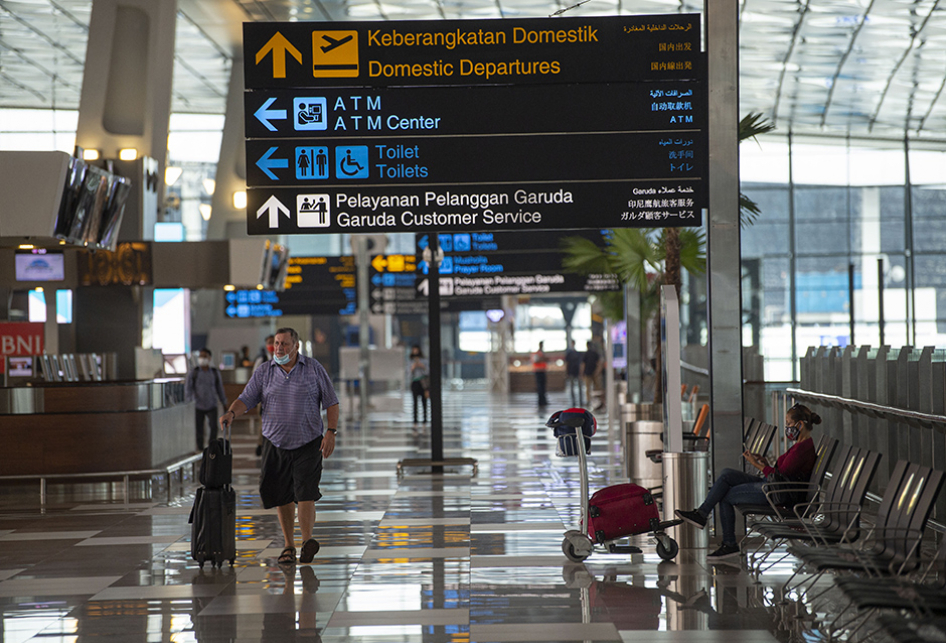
x: 333, y: 43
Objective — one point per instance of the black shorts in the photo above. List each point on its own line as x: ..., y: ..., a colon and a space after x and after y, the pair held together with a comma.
x: 290, y: 475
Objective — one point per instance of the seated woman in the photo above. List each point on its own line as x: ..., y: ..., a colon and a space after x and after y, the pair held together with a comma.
x: 734, y: 487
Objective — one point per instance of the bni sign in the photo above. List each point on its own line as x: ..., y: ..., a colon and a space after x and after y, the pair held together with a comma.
x: 475, y: 125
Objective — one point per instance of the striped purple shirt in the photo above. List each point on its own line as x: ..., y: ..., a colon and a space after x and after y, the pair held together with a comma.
x: 292, y: 402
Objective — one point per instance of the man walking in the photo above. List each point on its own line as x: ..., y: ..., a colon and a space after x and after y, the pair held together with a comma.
x: 205, y: 386
x: 540, y: 366
x: 591, y: 365
x: 573, y: 375
x: 293, y: 389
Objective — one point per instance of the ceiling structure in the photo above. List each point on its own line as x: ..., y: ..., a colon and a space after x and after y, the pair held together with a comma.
x: 873, y: 68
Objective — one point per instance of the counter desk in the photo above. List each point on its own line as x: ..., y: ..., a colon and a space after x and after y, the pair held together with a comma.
x: 90, y: 427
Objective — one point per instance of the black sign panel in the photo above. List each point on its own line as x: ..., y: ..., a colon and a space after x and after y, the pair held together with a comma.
x: 392, y: 112
x: 579, y: 158
x: 467, y: 52
x: 562, y: 206
x: 377, y: 127
x: 314, y: 286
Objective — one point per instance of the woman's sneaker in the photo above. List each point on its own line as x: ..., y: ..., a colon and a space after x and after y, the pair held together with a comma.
x: 724, y: 552
x: 694, y: 517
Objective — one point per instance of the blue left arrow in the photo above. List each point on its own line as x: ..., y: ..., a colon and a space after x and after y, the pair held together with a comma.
x: 264, y: 114
x: 265, y: 163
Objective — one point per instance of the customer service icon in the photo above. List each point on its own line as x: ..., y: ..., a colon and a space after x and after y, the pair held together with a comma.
x: 313, y: 210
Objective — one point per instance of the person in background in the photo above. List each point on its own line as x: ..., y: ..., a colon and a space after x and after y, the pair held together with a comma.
x: 420, y: 380
x: 591, y: 365
x: 265, y: 354
x: 734, y: 487
x: 245, y: 360
x: 573, y: 375
x: 294, y: 390
x: 540, y: 366
x: 204, y: 387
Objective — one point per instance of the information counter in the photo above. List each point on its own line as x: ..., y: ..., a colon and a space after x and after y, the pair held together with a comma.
x: 90, y: 427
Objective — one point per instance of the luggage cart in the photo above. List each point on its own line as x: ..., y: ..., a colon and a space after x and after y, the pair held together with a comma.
x: 573, y: 428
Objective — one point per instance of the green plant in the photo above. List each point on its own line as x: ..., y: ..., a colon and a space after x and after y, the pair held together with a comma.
x: 646, y: 259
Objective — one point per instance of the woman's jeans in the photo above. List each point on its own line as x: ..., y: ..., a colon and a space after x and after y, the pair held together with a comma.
x: 733, y: 487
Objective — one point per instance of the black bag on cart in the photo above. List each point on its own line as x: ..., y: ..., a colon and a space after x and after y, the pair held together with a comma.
x: 213, y: 526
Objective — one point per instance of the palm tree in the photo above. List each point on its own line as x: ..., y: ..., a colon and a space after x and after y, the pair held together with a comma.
x: 646, y: 259
x: 643, y: 258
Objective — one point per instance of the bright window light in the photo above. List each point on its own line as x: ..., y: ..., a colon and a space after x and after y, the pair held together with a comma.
x: 171, y: 325
x: 37, y: 306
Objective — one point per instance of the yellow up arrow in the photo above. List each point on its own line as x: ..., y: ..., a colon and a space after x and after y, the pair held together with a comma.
x: 379, y: 263
x: 279, y: 46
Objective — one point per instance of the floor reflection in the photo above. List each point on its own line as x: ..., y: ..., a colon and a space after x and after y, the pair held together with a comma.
x: 423, y: 558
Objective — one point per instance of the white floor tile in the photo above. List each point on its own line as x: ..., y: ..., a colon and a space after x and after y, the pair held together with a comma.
x: 546, y: 632
x: 41, y: 587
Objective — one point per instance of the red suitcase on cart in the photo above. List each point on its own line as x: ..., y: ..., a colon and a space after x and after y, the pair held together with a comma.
x: 621, y: 510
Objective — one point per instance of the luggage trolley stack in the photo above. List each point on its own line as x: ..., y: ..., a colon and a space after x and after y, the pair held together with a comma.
x: 213, y: 516
x: 612, y: 513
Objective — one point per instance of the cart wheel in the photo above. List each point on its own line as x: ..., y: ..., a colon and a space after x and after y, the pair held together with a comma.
x: 576, y: 547
x: 667, y: 547
x: 569, y: 550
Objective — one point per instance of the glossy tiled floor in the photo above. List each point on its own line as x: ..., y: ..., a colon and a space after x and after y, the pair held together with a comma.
x: 420, y: 559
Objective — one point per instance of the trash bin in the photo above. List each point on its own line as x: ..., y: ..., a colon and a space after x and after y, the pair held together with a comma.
x: 636, y: 412
x: 641, y: 437
x: 685, y: 484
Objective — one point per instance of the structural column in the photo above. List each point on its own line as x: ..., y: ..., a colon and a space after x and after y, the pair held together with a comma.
x: 725, y: 294
x: 126, y: 103
x: 126, y: 88
x: 226, y: 220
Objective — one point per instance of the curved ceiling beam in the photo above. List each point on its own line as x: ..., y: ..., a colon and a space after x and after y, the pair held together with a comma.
x: 896, y: 68
x: 844, y: 57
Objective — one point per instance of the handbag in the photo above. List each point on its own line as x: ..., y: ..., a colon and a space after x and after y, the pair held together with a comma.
x: 784, y: 492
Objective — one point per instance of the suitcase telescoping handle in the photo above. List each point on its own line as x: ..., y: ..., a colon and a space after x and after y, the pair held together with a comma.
x: 227, y: 432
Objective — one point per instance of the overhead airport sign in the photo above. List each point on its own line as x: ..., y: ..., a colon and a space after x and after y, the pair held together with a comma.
x: 314, y: 286
x: 379, y: 127
x: 470, y: 52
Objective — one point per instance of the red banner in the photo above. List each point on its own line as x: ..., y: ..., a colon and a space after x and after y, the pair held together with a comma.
x: 20, y: 338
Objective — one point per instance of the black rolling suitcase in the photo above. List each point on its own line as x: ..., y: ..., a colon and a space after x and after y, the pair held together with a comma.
x: 213, y: 516
x: 213, y: 526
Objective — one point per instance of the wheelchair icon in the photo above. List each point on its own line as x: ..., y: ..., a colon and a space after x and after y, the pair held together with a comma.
x: 351, y: 162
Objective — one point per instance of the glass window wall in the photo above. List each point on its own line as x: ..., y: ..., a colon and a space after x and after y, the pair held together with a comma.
x: 837, y: 216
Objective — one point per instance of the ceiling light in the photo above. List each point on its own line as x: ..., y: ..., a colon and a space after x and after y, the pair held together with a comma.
x: 128, y: 154
x: 209, y: 186
x: 172, y: 174
x: 205, y: 211
x: 26, y: 246
x: 229, y: 287
x: 239, y: 199
x: 90, y: 155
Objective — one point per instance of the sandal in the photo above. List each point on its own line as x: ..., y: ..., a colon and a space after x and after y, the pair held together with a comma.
x: 287, y: 556
x: 309, y: 549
